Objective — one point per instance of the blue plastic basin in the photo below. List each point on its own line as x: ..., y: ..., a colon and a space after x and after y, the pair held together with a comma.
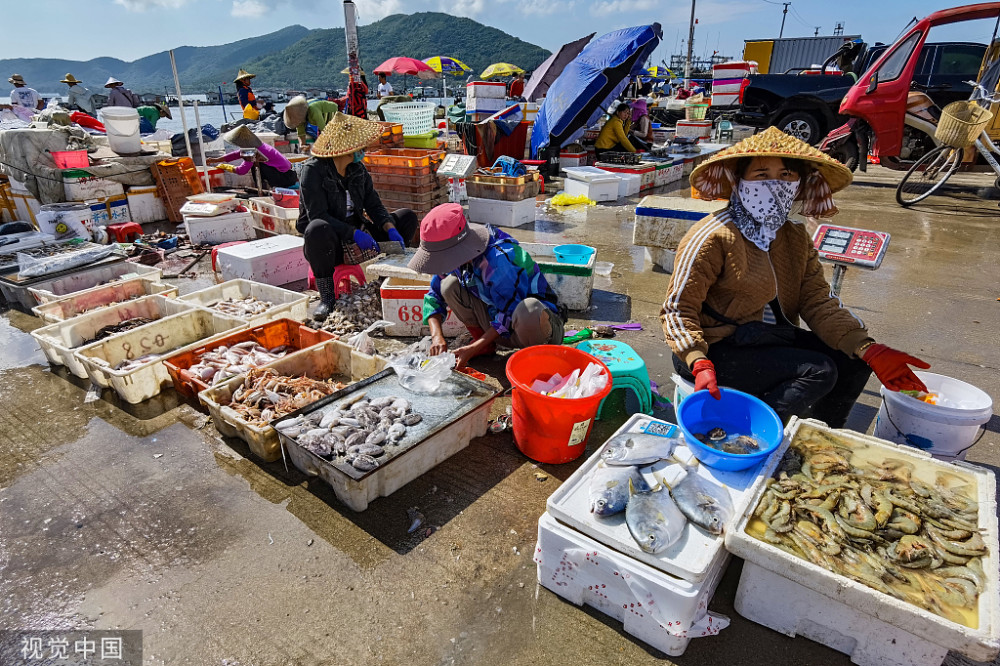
x: 573, y: 254
x: 736, y: 412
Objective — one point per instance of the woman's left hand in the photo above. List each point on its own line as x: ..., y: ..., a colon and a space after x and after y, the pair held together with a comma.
x: 892, y: 367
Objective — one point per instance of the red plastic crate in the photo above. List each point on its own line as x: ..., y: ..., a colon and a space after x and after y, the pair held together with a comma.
x: 272, y: 334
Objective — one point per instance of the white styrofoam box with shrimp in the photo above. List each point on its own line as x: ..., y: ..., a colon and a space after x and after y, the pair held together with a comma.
x: 60, y: 340
x: 284, y: 303
x: 797, y: 598
x: 152, y: 343
x: 403, y: 305
x: 658, y: 609
x: 696, y: 554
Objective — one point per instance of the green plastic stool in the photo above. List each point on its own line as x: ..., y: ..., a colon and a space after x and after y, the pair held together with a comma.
x: 628, y: 370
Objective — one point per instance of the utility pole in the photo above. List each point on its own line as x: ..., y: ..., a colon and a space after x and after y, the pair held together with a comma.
x: 816, y: 33
x: 687, y: 64
x: 783, y: 15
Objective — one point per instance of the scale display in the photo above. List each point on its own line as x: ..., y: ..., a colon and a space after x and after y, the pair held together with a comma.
x: 458, y: 166
x: 852, y: 247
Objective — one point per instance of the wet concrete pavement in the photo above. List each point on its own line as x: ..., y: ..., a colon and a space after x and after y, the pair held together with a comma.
x: 142, y: 517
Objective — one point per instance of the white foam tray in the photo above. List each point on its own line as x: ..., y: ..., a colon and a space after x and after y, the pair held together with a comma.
x: 796, y: 597
x: 696, y: 552
x: 286, y: 304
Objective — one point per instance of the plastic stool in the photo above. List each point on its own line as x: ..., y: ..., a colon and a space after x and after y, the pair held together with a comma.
x: 342, y: 278
x: 628, y: 370
x: 124, y: 232
x: 215, y: 250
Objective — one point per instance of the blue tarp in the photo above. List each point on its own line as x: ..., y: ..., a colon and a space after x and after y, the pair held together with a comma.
x: 590, y: 82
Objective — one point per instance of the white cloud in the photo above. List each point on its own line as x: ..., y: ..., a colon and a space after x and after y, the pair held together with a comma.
x: 143, y: 5
x: 369, y: 11
x: 249, y: 8
x: 606, y: 7
x: 469, y: 8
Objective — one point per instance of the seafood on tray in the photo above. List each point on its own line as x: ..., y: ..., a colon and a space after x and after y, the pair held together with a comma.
x: 360, y: 431
x: 251, y: 306
x: 354, y: 312
x: 120, y: 327
x: 907, y: 532
x: 266, y: 395
x: 224, y: 362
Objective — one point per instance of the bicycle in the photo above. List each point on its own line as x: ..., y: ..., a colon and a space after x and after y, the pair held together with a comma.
x: 934, y: 169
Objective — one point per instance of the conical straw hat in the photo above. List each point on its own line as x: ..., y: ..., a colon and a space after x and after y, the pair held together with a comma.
x: 295, y: 111
x: 344, y: 135
x: 243, y: 74
x: 242, y: 137
x: 714, y: 178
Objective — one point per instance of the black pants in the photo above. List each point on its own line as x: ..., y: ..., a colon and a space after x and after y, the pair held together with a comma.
x: 617, y: 148
x: 806, y: 379
x: 324, y: 250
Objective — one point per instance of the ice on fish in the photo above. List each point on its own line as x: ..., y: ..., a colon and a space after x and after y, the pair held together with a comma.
x: 637, y: 449
x: 653, y: 519
x: 609, y: 488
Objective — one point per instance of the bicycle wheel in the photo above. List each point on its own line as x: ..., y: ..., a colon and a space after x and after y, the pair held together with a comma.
x: 928, y: 174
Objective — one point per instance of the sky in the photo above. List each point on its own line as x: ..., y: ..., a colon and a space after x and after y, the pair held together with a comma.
x: 131, y: 29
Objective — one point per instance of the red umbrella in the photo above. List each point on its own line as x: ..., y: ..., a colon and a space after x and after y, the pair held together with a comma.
x: 406, y: 66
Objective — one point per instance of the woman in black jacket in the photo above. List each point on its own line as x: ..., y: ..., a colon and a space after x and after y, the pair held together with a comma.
x: 339, y: 205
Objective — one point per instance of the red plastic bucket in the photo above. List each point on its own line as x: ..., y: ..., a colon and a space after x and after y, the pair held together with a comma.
x: 546, y: 429
x: 70, y: 159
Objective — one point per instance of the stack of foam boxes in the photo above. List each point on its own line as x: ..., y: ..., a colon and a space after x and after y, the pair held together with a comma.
x: 106, y: 198
x: 661, y: 222
x: 484, y: 98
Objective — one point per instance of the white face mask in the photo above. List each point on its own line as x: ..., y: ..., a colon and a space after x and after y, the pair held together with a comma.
x: 768, y: 202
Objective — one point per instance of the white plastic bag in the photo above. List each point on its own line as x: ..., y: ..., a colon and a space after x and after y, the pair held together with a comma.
x: 577, y: 384
x: 362, y: 341
x: 28, y: 266
x: 420, y: 372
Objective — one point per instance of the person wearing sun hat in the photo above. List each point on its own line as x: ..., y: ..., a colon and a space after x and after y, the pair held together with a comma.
x: 299, y: 113
x: 120, y: 95
x: 487, y: 279
x: 338, y: 204
x: 150, y: 114
x: 243, y: 90
x: 274, y: 168
x: 78, y: 96
x: 24, y: 101
x: 745, y: 275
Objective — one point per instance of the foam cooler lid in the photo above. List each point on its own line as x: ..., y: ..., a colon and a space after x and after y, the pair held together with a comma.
x: 677, y: 207
x: 589, y: 174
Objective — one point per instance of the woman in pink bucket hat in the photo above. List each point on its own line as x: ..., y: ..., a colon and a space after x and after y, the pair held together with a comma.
x: 491, y: 284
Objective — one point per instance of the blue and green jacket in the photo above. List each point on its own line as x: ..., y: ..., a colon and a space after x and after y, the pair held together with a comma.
x: 502, y: 276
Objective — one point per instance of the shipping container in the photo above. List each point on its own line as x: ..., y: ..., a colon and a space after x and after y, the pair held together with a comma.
x: 777, y: 56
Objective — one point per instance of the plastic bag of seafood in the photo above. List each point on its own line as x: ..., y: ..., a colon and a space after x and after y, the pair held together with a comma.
x: 418, y: 370
x: 874, y: 549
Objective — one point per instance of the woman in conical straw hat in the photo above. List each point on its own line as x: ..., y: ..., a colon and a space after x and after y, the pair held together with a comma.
x: 243, y: 90
x: 744, y: 276
x: 339, y: 205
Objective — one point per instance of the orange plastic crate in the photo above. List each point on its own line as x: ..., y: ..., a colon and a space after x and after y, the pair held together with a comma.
x: 411, y: 199
x: 272, y: 334
x: 407, y: 183
x: 176, y: 180
x: 385, y: 170
x: 406, y: 157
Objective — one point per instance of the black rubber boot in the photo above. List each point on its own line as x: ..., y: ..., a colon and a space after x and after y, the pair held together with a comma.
x: 327, y: 297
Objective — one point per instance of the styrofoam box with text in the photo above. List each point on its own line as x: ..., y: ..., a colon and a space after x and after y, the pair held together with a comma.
x: 403, y: 305
x: 277, y: 260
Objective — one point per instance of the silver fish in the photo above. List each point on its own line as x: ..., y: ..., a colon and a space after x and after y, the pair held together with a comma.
x: 637, y: 449
x: 653, y: 519
x: 705, y: 504
x: 609, y: 488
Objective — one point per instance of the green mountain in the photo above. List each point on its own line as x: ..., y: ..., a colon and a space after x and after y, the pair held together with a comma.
x: 293, y: 57
x: 198, y: 67
x: 318, y: 59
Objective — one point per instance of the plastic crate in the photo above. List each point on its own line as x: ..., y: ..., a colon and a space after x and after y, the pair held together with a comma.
x: 416, y: 117
x: 396, y: 170
x: 400, y: 199
x: 504, y: 188
x: 176, y: 179
x: 391, y: 136
x: 277, y: 333
x: 90, y: 276
x: 427, y: 140
x: 418, y: 183
x: 285, y: 303
x: 101, y: 296
x: 404, y: 157
x: 268, y: 215
x: 328, y: 360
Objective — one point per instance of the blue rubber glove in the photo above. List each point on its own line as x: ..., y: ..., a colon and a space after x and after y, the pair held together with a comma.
x: 394, y: 235
x: 364, y: 240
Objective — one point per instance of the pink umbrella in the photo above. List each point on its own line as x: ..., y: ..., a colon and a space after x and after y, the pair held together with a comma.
x: 406, y: 66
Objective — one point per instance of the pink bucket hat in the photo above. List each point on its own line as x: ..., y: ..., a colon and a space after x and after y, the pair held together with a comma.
x: 447, y: 241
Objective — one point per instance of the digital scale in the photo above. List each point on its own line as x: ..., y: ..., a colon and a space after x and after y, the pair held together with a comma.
x: 458, y: 166
x: 846, y: 246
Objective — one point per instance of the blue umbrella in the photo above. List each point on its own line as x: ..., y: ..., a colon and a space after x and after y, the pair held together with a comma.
x: 588, y: 84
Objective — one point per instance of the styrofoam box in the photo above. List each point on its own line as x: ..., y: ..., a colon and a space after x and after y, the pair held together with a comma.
x: 583, y: 571
x: 87, y: 300
x: 170, y: 335
x: 485, y: 104
x: 662, y: 257
x: 485, y: 89
x: 220, y: 228
x: 58, y: 341
x: 598, y: 190
x: 85, y: 278
x: 502, y: 213
x: 688, y: 167
x: 403, y: 305
x: 18, y: 187
x: 572, y: 283
x: 734, y: 69
x: 725, y: 99
x: 662, y: 221
x: 145, y: 205
x: 267, y: 137
x: 277, y: 260
x: 795, y: 597
x: 571, y: 160
x: 331, y: 359
x: 286, y: 304
x: 695, y: 555
x: 629, y: 184
x: 81, y: 189
x: 694, y: 129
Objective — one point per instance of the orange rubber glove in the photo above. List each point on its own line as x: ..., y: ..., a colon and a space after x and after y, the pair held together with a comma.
x: 704, y: 378
x: 892, y: 367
